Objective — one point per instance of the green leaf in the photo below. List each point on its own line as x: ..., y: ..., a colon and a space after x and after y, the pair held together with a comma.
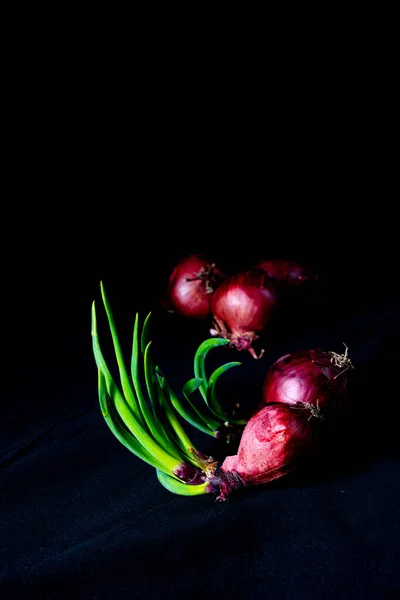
x: 117, y: 427
x: 199, y: 361
x: 171, y: 409
x: 135, y: 373
x: 145, y: 338
x: 191, y: 417
x: 124, y: 410
x: 212, y: 399
x: 163, y: 437
x: 202, y: 411
x: 178, y: 487
x: 126, y: 385
x: 192, y: 385
x: 187, y: 409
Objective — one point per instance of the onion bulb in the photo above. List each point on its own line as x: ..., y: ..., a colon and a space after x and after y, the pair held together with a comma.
x: 286, y: 274
x: 242, y: 307
x: 312, y: 378
x: 191, y: 285
x: 272, y: 443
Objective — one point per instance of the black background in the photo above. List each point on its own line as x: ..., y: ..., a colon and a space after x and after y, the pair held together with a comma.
x: 109, y: 190
x: 82, y: 516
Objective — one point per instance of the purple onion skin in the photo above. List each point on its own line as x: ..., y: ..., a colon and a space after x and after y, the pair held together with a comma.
x: 190, y: 474
x: 191, y: 285
x: 287, y: 274
x: 307, y: 377
x: 274, y: 439
x: 243, y: 306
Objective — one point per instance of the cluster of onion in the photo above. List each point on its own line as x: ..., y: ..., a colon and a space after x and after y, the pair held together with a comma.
x: 300, y: 391
x: 241, y: 304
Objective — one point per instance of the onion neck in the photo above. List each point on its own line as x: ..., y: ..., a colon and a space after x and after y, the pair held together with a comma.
x: 206, y: 463
x: 225, y: 482
x: 239, y: 341
x: 207, y: 276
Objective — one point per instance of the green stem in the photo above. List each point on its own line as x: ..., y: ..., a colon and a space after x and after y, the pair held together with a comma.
x: 124, y: 410
x: 151, y: 383
x: 179, y: 487
x: 145, y: 337
x: 144, y: 407
x: 126, y: 385
x: 202, y: 411
x: 189, y: 416
x: 199, y: 361
x: 181, y: 435
x: 212, y: 399
x: 120, y: 432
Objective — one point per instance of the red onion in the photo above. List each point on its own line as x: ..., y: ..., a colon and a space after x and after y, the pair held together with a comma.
x: 287, y: 274
x: 313, y: 378
x: 272, y: 443
x: 191, y: 285
x: 242, y: 307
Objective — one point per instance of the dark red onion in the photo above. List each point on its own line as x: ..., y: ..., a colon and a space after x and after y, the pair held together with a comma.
x: 191, y: 286
x: 273, y: 442
x: 242, y: 307
x: 287, y: 274
x: 313, y: 378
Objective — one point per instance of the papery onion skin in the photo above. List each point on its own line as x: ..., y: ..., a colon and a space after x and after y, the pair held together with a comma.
x: 286, y: 273
x: 191, y: 285
x: 272, y: 443
x: 242, y: 307
x: 308, y: 377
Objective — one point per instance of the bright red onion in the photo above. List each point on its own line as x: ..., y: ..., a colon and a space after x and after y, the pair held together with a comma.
x: 313, y: 378
x: 191, y: 285
x: 287, y: 274
x: 242, y: 307
x: 272, y: 443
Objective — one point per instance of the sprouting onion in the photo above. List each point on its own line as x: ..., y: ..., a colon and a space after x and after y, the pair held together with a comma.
x: 145, y: 421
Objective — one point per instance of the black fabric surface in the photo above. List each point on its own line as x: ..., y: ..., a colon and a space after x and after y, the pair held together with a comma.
x: 81, y: 517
